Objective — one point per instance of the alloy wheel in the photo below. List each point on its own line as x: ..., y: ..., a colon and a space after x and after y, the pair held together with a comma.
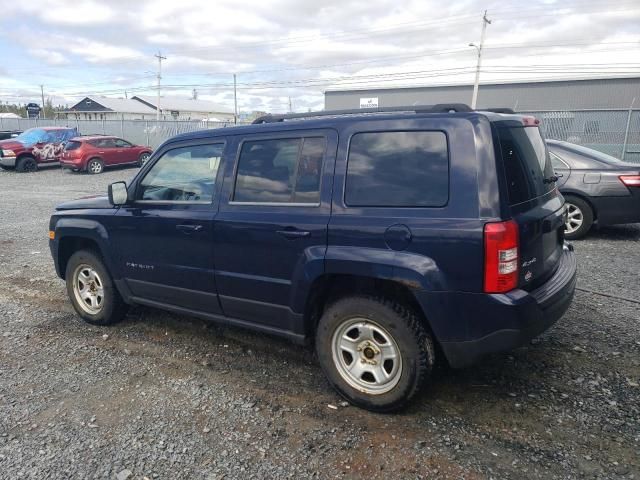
x: 575, y: 218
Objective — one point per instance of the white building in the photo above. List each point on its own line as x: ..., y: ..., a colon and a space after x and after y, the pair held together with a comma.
x: 178, y: 108
x: 107, y: 108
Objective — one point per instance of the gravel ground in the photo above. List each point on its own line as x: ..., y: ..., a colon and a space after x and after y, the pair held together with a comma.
x: 162, y: 396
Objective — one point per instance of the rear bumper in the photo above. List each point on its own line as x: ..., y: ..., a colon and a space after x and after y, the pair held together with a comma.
x: 469, y: 325
x: 74, y: 164
x: 614, y: 210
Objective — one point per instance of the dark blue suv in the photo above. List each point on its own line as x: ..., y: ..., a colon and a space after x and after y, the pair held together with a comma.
x: 382, y: 236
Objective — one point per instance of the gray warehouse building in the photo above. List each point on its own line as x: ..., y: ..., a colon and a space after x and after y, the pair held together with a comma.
x: 599, y: 113
x: 581, y: 94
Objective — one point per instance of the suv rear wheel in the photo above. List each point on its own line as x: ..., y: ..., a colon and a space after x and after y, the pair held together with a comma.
x: 91, y: 290
x: 374, y: 352
x: 579, y: 217
x: 95, y: 166
x: 26, y: 164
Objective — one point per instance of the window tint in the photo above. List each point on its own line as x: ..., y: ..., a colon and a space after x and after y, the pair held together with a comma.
x: 526, y: 163
x: 72, y: 145
x: 398, y: 169
x: 122, y: 143
x: 183, y: 174
x: 280, y: 170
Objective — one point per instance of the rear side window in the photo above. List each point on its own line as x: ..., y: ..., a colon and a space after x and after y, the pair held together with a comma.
x: 398, y: 169
x: 286, y: 170
x: 72, y: 145
x: 526, y: 163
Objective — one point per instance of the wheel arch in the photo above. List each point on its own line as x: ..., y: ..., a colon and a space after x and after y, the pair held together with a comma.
x: 584, y: 198
x: 80, y: 234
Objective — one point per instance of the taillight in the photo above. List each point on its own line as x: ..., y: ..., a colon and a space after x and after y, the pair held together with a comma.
x: 630, y: 180
x: 528, y: 121
x: 500, y: 256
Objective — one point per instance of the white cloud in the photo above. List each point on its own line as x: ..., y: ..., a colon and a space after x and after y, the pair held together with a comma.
x: 372, y: 42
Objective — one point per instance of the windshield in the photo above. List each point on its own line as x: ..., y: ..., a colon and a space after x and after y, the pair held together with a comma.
x: 526, y: 163
x: 33, y: 136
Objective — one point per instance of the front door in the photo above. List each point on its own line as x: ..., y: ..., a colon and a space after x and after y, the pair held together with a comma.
x: 125, y: 153
x: 271, y: 230
x: 164, y: 238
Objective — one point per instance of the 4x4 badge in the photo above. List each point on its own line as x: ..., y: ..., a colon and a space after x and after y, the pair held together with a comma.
x: 528, y: 275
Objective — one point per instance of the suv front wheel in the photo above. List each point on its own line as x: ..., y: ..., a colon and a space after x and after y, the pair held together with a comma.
x: 91, y: 290
x: 375, y: 352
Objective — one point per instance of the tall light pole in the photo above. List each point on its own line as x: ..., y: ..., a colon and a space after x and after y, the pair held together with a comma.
x: 485, y: 22
x: 235, y: 101
x: 160, y: 58
x: 44, y: 113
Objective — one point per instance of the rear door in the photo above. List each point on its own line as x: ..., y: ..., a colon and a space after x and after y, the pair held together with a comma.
x: 533, y: 200
x: 274, y: 224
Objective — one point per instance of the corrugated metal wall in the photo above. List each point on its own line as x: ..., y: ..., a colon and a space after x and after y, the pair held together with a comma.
x: 556, y: 95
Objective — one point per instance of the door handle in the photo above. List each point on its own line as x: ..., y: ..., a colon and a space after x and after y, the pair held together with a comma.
x: 292, y: 234
x: 189, y: 228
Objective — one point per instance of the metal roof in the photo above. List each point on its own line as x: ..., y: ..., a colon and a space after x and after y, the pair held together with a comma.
x: 182, y: 104
x: 120, y: 105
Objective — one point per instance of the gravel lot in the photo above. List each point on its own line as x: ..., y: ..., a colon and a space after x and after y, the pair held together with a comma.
x: 162, y: 396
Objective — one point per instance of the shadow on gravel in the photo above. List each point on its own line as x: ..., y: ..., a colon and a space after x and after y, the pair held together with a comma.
x: 615, y: 232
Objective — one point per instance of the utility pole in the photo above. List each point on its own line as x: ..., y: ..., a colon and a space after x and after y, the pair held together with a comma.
x: 235, y: 101
x: 44, y: 113
x: 160, y: 58
x: 290, y: 108
x: 485, y: 22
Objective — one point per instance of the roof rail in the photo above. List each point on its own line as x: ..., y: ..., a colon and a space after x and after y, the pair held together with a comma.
x: 439, y: 108
x: 499, y: 110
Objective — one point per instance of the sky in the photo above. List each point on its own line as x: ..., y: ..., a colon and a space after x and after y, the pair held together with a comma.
x: 295, y: 49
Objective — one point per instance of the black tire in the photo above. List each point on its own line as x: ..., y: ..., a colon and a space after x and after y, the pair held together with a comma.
x: 26, y: 164
x: 578, y: 205
x: 413, y: 341
x: 113, y: 307
x: 95, y: 166
x: 143, y: 158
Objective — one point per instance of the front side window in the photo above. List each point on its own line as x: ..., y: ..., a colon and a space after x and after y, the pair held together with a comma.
x: 122, y: 143
x: 284, y: 170
x: 398, y: 169
x: 557, y: 163
x: 186, y: 174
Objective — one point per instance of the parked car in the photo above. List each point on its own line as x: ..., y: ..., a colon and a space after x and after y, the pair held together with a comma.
x: 598, y: 188
x: 93, y: 153
x: 4, y: 134
x: 380, y: 237
x: 34, y: 147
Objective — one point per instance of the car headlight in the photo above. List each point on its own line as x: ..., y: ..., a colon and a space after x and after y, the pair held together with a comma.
x: 8, y: 153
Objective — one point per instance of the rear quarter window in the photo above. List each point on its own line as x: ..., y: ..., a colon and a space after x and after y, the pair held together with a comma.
x: 72, y: 145
x: 398, y: 169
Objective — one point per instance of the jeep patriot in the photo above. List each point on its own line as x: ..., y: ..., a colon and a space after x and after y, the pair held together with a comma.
x: 389, y: 239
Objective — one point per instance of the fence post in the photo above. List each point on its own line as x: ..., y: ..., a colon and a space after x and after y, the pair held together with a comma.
x: 146, y: 130
x: 1, y: 126
x: 122, y: 125
x: 626, y: 132
x: 77, y: 124
x: 103, y: 130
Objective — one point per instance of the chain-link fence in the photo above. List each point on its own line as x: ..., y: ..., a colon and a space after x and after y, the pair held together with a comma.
x: 141, y: 132
x: 615, y: 132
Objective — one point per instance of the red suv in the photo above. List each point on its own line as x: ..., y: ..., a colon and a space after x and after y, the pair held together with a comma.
x: 34, y: 147
x: 94, y: 153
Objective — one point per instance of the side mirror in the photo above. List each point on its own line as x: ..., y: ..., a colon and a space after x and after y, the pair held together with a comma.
x: 118, y: 194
